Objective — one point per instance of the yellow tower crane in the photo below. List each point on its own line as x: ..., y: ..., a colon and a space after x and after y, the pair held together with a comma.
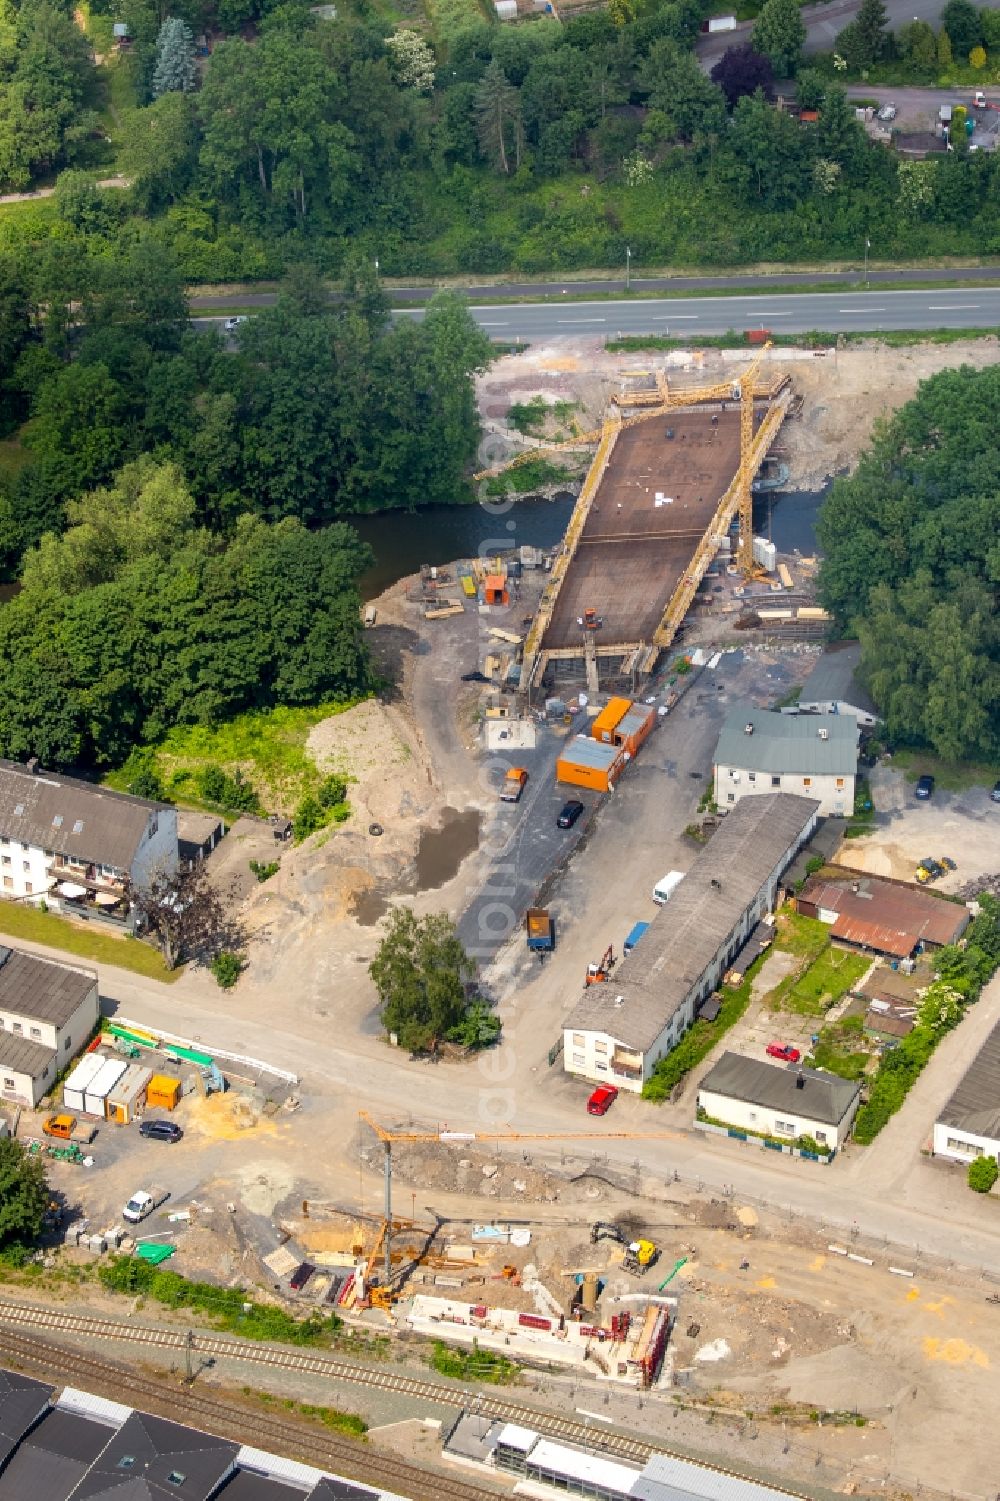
x: 445, y: 1137
x: 741, y: 388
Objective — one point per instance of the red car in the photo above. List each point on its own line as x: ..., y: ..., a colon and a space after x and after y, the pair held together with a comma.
x: 783, y: 1050
x: 602, y: 1099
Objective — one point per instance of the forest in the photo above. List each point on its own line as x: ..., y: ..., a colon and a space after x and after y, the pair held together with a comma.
x: 911, y: 563
x: 434, y: 141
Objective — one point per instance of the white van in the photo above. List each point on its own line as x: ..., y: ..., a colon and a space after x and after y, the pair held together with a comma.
x: 665, y: 888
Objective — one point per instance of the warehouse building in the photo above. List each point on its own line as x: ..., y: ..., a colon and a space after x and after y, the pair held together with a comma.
x: 618, y: 1030
x: 833, y: 688
x: 47, y: 1012
x: 76, y: 1445
x: 786, y: 1103
x: 813, y: 755
x: 882, y: 916
x: 969, y: 1125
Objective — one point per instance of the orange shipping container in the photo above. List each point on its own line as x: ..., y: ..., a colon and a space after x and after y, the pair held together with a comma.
x: 585, y: 763
x: 604, y: 726
x: 634, y: 728
x: 162, y: 1092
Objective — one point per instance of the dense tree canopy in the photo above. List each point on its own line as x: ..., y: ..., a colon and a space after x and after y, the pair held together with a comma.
x: 912, y: 563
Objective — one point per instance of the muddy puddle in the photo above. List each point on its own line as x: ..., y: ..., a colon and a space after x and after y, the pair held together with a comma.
x: 439, y: 855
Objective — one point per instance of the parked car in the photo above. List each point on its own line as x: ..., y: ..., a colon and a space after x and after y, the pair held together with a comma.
x: 61, y: 1126
x: 784, y: 1051
x: 232, y: 324
x: 160, y: 1130
x: 995, y: 794
x: 474, y: 677
x: 301, y: 1276
x: 887, y: 112
x: 924, y: 787
x: 570, y: 813
x: 602, y: 1099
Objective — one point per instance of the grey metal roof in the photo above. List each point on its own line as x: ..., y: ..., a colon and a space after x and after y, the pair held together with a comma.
x: 38, y: 1472
x: 158, y: 1449
x: 42, y: 989
x: 245, y: 1486
x: 71, y: 1435
x: 684, y: 937
x: 72, y: 818
x: 975, y: 1105
x: 788, y: 743
x: 585, y: 751
x: 833, y: 679
x: 823, y: 1097
x: 331, y: 1489
x: 23, y: 1056
x: 668, y: 1479
x: 22, y: 1402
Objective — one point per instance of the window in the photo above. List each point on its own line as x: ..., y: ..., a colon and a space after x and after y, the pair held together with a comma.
x: 36, y: 1031
x: 578, y: 1060
x: 25, y: 865
x: 600, y: 1047
x: 67, y: 1044
x: 57, y: 822
x: 751, y: 776
x: 154, y: 824
x: 775, y: 781
x: 126, y: 1462
x: 6, y: 859
x: 19, y: 809
x: 784, y: 1128
x: 968, y: 1148
x: 29, y: 888
x: 8, y: 882
x: 26, y: 847
x: 753, y: 1115
x: 602, y: 1068
x: 78, y: 826
x: 730, y: 797
x: 807, y: 781
x: 9, y: 1083
x: 821, y: 1136
x: 840, y: 781
x: 45, y: 1072
x: 578, y: 1039
x: 176, y: 1478
x: 16, y: 1027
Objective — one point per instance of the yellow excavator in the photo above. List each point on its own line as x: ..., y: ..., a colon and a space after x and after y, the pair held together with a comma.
x: 639, y: 1255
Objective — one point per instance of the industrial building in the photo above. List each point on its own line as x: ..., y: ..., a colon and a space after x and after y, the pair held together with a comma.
x: 774, y: 1100
x: 882, y: 916
x: 619, y: 1029
x: 47, y: 1012
x: 75, y: 1445
x: 969, y: 1125
x: 521, y: 1452
x: 815, y: 755
x: 833, y: 688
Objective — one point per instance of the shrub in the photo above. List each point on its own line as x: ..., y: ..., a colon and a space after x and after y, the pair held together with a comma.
x: 983, y: 1173
x: 263, y: 871
x: 227, y: 968
x: 474, y: 1364
x: 226, y: 1307
x: 479, y: 1028
x: 331, y: 791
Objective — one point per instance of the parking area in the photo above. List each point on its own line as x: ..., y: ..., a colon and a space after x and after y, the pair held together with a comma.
x: 962, y: 826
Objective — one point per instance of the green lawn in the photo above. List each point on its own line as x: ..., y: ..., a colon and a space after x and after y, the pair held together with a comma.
x: 950, y: 776
x: 796, y: 934
x: 86, y: 943
x: 822, y: 983
x: 840, y: 1049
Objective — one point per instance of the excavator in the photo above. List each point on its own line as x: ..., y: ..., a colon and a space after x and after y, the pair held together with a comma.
x: 639, y: 1255
x: 599, y: 972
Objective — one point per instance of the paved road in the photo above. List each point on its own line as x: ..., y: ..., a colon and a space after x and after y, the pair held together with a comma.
x: 608, y: 286
x: 689, y: 317
x: 823, y: 24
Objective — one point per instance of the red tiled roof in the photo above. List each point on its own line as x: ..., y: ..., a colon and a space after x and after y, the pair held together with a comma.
x: 886, y: 915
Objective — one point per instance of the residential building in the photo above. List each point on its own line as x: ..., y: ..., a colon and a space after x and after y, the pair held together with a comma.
x: 77, y: 1446
x: 969, y: 1125
x: 619, y: 1029
x: 775, y: 1100
x: 77, y: 845
x: 47, y: 1012
x: 833, y: 688
x: 812, y: 755
x: 882, y: 916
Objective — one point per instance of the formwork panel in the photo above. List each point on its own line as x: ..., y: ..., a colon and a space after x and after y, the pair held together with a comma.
x: 633, y: 552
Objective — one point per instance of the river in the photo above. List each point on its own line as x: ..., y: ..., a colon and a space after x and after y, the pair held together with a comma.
x: 403, y: 540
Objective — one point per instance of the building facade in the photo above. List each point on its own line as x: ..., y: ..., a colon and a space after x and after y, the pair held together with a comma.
x: 811, y: 755
x: 78, y: 846
x: 785, y: 1102
x: 619, y: 1029
x: 833, y: 688
x: 47, y: 1013
x: 969, y: 1125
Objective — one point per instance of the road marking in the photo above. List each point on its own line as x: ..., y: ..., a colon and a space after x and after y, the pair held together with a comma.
x: 494, y: 325
x: 952, y: 307
x: 767, y: 315
x: 676, y: 317
x: 861, y: 310
x: 583, y: 320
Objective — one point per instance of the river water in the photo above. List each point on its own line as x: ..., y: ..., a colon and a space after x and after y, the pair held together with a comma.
x: 403, y: 540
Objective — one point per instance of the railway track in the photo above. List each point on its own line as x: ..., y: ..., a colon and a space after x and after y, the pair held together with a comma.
x: 86, y: 1327
x: 225, y: 1419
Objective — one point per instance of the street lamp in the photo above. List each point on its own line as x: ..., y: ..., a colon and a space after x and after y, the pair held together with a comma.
x: 628, y: 267
x: 868, y: 246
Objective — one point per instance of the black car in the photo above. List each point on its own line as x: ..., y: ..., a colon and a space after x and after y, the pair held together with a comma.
x: 160, y: 1130
x: 301, y: 1276
x: 474, y: 677
x: 925, y: 786
x: 570, y: 813
x: 995, y: 794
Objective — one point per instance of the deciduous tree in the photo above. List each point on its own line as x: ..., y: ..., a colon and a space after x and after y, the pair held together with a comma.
x: 741, y: 70
x: 498, y: 119
x: 420, y: 972
x: 961, y: 20
x: 24, y: 1195
x: 779, y: 32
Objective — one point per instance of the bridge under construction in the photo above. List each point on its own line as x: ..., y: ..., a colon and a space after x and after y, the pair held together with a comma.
x: 665, y: 486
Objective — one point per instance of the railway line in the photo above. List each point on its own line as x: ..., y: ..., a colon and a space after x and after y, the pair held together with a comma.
x: 228, y: 1419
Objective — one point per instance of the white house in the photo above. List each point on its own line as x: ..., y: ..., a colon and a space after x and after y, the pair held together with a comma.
x: 47, y: 1012
x: 832, y: 686
x: 620, y: 1028
x: 786, y: 1102
x: 74, y: 844
x: 969, y: 1125
x: 813, y: 755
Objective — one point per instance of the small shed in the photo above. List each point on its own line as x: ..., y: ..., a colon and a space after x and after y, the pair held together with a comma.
x: 587, y: 763
x: 494, y: 584
x: 282, y: 829
x: 506, y: 9
x: 607, y: 721
x: 635, y: 727
x: 95, y: 1095
x: 163, y: 1092
x: 128, y: 1096
x: 83, y: 1074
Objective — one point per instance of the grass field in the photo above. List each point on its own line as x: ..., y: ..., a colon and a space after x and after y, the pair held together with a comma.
x: 950, y: 776
x: 830, y: 975
x: 98, y: 947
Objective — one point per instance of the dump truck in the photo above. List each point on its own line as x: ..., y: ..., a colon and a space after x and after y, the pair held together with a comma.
x: 540, y: 929
x: 143, y: 1202
x: 513, y: 784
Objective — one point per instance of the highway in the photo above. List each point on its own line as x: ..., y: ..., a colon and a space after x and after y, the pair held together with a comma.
x: 688, y: 317
x: 845, y: 311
